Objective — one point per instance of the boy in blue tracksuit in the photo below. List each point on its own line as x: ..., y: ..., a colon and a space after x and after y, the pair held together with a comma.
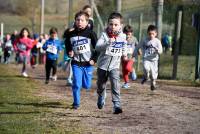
x: 52, y: 47
x: 80, y: 45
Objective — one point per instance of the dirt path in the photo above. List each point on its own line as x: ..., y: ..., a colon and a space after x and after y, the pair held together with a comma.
x: 168, y: 110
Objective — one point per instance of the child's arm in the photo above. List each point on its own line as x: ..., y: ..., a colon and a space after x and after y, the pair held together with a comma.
x: 68, y: 46
x: 60, y: 46
x: 159, y: 49
x: 137, y: 48
x: 102, y: 43
x: 93, y: 37
x: 44, y: 47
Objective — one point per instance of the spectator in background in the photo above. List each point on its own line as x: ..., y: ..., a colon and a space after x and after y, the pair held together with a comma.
x: 88, y: 10
x: 42, y: 53
x: 8, y: 49
x: 34, y: 50
x: 1, y: 51
x: 22, y: 45
x: 13, y: 38
x: 66, y: 63
x: 166, y: 42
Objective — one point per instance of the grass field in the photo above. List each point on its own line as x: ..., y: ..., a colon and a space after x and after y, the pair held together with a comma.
x: 22, y: 111
x: 185, y: 70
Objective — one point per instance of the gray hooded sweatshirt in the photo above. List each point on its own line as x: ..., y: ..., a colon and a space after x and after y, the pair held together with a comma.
x: 110, y: 52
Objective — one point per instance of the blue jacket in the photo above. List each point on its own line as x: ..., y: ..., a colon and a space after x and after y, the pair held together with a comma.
x: 52, y: 48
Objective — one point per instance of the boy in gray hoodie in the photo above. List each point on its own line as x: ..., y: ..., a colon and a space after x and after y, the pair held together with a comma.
x: 111, y: 47
x: 151, y: 48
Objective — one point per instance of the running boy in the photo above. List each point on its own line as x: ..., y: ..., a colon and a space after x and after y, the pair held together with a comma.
x: 151, y: 48
x: 52, y: 48
x: 111, y: 45
x: 127, y: 65
x: 80, y: 45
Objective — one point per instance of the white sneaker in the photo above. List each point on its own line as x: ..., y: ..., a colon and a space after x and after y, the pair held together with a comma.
x: 54, y: 78
x: 24, y: 74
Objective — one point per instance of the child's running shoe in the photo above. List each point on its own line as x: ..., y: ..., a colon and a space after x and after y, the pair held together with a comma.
x: 100, y: 102
x: 117, y: 110
x: 126, y: 85
x: 54, y: 78
x: 75, y: 106
x: 47, y: 82
x: 24, y: 74
x: 143, y: 80
x: 69, y: 82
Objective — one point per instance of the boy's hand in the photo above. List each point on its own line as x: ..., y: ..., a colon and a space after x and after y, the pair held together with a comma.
x: 139, y: 52
x: 111, y: 40
x: 71, y: 54
x: 125, y: 57
x: 92, y: 62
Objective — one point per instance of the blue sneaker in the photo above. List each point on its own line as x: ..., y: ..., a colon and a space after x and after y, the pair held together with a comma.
x: 100, y: 102
x: 133, y: 76
x: 126, y: 85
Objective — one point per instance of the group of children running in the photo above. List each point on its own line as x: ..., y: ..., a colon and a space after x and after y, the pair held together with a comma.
x: 83, y: 50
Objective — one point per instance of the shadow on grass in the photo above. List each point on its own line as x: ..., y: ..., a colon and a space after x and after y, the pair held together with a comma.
x: 36, y: 112
x: 43, y: 105
x: 10, y: 76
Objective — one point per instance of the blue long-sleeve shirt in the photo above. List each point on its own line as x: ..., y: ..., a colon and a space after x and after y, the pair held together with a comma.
x: 52, y: 48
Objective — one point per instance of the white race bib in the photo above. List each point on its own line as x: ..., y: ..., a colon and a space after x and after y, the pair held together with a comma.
x: 115, y: 49
x: 80, y: 45
x: 80, y: 49
x: 150, y: 52
x: 21, y: 47
x: 52, y: 49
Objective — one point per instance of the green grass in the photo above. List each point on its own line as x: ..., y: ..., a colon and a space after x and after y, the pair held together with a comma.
x: 185, y: 69
x: 22, y: 111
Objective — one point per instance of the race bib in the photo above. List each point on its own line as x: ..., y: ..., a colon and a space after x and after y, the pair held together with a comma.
x: 150, y: 52
x: 80, y: 49
x: 52, y: 49
x: 21, y: 47
x: 81, y: 45
x: 115, y: 49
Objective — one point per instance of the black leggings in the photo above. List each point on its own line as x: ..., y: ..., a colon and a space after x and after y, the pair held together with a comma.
x: 50, y: 64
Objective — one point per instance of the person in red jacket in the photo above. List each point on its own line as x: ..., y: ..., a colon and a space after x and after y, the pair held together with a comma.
x: 22, y: 46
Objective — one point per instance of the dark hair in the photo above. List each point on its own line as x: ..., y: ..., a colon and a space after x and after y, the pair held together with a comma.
x: 53, y: 30
x: 21, y: 32
x: 86, y: 6
x: 80, y: 13
x: 151, y: 28
x: 127, y: 29
x: 67, y: 31
x: 115, y: 15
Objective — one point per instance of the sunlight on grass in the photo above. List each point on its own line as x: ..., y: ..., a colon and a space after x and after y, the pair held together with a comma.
x: 23, y: 112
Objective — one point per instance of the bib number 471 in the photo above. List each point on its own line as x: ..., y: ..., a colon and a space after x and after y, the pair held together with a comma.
x: 116, y: 50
